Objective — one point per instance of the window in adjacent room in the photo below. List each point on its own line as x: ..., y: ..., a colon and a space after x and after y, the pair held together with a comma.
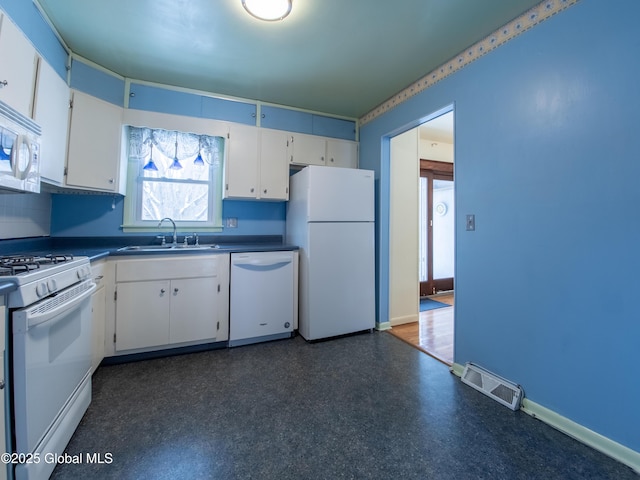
x: 173, y: 174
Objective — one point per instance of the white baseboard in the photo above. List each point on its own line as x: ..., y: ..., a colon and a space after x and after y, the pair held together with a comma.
x: 457, y: 369
x: 406, y: 319
x: 383, y: 326
x: 609, y: 447
x: 599, y: 442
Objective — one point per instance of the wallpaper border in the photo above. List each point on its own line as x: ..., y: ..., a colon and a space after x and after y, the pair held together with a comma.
x: 524, y: 22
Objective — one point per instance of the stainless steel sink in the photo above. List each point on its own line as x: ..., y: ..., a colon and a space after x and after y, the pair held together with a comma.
x: 165, y: 248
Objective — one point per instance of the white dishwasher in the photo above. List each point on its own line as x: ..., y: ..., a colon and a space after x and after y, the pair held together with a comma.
x: 263, y: 296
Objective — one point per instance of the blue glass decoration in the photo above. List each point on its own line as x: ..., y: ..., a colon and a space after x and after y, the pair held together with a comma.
x: 151, y: 165
x: 175, y: 165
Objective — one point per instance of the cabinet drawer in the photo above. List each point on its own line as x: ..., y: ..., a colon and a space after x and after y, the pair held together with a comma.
x: 179, y: 266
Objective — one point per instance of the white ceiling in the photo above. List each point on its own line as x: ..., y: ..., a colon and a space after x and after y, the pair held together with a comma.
x: 342, y: 57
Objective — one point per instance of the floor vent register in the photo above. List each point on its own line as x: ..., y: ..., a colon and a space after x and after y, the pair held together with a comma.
x: 503, y: 391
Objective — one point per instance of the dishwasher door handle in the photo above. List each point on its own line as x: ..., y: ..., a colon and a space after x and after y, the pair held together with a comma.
x: 263, y: 262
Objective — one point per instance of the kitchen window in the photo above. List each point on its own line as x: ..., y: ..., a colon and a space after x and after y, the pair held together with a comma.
x: 173, y: 174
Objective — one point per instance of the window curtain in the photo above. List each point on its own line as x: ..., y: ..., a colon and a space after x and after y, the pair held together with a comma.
x: 189, y: 144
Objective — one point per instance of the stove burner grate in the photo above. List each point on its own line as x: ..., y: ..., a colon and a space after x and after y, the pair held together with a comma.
x: 18, y: 264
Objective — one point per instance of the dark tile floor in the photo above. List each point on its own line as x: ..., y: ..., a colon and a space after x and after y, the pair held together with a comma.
x: 366, y: 406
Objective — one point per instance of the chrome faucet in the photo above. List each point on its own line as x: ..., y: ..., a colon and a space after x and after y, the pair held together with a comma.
x: 175, y: 232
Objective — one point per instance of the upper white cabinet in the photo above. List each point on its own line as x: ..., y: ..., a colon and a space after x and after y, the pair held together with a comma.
x: 94, y: 157
x: 241, y: 165
x: 18, y: 66
x: 306, y: 149
x: 342, y: 153
x: 256, y: 165
x: 51, y: 112
x: 274, y: 168
x: 312, y: 150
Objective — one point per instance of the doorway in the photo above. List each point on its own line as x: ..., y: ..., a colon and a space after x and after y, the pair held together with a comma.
x: 421, y: 172
x: 437, y: 227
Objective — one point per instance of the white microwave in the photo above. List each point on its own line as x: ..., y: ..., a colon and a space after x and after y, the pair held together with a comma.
x: 19, y: 152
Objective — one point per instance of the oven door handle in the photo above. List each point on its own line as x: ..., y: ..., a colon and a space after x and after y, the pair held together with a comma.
x: 33, y: 317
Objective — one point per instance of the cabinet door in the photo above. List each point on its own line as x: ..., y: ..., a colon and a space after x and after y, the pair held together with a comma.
x: 306, y: 149
x: 194, y: 310
x: 52, y: 114
x: 98, y: 316
x: 142, y: 314
x: 93, y: 160
x: 18, y: 64
x: 98, y: 312
x: 241, y: 166
x: 342, y: 153
x: 274, y: 169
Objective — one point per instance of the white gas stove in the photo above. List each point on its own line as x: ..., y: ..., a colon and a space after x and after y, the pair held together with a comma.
x: 41, y: 276
x: 50, y: 345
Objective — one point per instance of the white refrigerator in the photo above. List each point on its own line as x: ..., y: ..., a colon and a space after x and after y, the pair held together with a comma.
x: 330, y: 216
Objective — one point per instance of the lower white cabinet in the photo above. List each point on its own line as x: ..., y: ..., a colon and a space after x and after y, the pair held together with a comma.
x: 98, y: 312
x: 171, y: 301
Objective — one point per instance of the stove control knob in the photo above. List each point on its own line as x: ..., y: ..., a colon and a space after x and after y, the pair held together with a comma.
x: 41, y: 289
x: 52, y: 285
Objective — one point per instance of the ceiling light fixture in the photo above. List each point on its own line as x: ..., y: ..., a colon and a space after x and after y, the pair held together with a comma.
x: 268, y: 10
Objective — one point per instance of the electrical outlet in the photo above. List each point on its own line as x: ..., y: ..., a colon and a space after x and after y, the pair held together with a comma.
x: 231, y: 222
x: 471, y: 223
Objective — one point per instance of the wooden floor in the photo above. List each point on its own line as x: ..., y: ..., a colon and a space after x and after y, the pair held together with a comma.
x: 433, y: 333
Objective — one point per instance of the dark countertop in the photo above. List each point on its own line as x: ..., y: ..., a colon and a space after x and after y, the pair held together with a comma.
x: 103, y: 247
x: 218, y: 248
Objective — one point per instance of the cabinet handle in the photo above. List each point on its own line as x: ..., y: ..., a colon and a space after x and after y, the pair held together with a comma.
x: 265, y: 190
x: 3, y: 83
x: 162, y: 291
x: 175, y: 290
x: 111, y: 180
x: 252, y: 190
x: 331, y: 160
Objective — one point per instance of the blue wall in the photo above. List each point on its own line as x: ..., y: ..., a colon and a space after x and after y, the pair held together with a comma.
x: 101, y: 216
x: 546, y: 157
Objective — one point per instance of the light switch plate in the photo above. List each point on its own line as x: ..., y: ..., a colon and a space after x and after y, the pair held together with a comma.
x: 471, y: 223
x: 231, y: 222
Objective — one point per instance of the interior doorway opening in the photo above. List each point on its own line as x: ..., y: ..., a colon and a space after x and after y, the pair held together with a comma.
x: 437, y: 227
x: 422, y: 251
